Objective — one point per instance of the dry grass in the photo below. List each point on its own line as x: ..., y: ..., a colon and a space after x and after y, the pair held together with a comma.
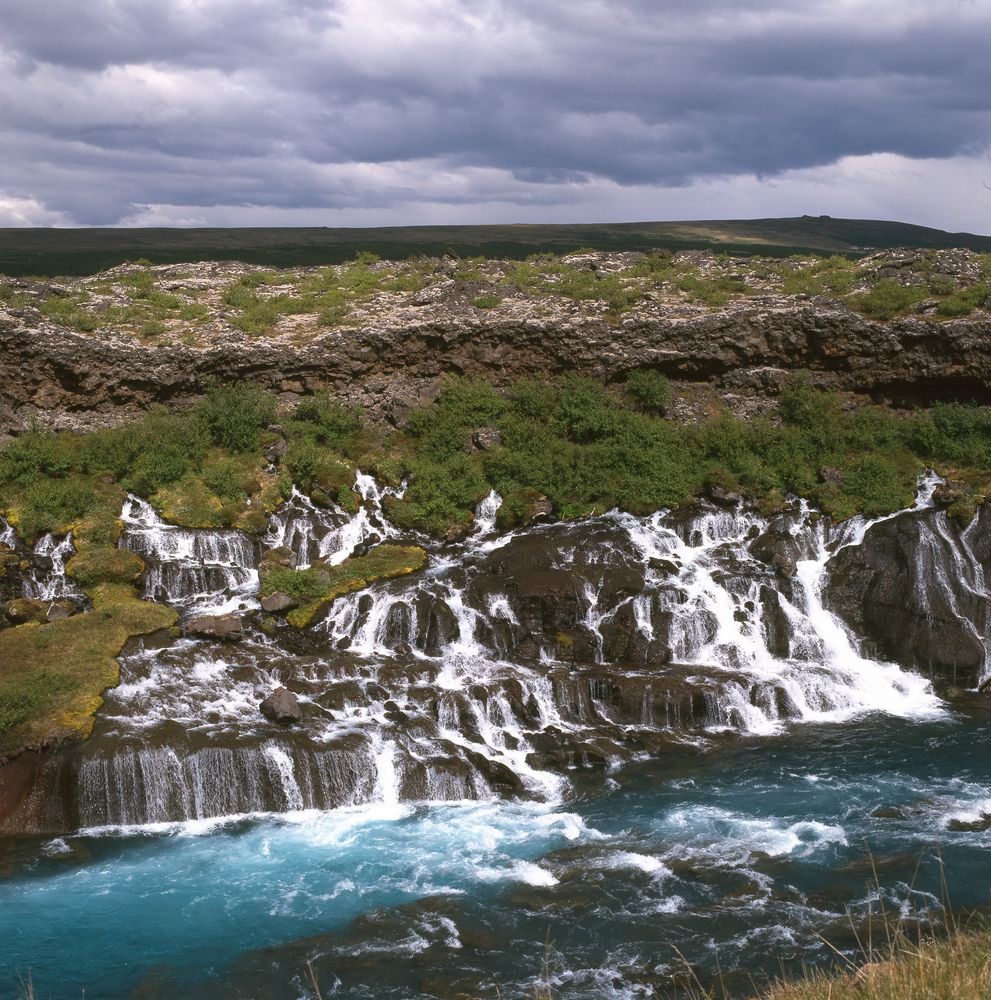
x: 958, y: 968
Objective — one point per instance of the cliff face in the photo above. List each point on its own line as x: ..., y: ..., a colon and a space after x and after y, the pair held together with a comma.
x: 393, y: 346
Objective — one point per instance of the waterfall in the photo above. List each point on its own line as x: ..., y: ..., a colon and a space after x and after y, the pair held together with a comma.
x: 193, y: 569
x: 8, y: 538
x: 47, y: 580
x: 510, y: 660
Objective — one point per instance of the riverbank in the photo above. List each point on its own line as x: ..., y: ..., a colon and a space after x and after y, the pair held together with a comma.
x: 922, y: 969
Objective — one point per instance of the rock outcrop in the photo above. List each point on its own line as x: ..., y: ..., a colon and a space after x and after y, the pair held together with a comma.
x: 391, y: 352
x: 916, y: 590
x: 282, y: 707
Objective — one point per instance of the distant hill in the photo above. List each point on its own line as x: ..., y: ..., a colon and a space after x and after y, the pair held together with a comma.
x: 52, y: 252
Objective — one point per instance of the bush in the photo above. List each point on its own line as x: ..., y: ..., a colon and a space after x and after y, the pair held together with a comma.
x: 887, y: 299
x: 36, y: 454
x: 235, y: 414
x: 965, y: 301
x: 224, y: 478
x: 650, y: 389
x: 329, y: 421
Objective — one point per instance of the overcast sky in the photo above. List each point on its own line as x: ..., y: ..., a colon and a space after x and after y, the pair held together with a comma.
x: 395, y: 112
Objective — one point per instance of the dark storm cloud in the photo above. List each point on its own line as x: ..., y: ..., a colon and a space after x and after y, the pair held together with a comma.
x: 106, y: 106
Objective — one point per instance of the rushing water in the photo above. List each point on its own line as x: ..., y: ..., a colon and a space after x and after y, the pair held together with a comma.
x: 563, y: 752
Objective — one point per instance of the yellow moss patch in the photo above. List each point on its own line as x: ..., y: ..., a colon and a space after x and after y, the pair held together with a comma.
x: 52, y: 677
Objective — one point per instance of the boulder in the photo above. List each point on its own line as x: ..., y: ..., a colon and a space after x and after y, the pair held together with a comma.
x: 486, y: 438
x: 214, y: 626
x: 58, y: 610
x: 27, y: 609
x: 282, y: 707
x: 948, y: 493
x: 277, y: 602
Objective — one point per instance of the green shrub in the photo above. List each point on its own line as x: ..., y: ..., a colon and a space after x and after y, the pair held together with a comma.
x: 225, y: 478
x: 830, y: 275
x: 650, y: 389
x: 36, y: 454
x: 965, y: 301
x: 329, y: 421
x: 235, y: 414
x: 51, y: 504
x: 888, y: 298
x: 486, y: 301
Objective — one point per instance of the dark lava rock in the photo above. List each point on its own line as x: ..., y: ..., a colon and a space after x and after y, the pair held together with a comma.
x: 486, y: 438
x: 948, y: 493
x: 723, y: 497
x: 215, y: 626
x: 277, y: 602
x: 904, y: 588
x: 58, y: 610
x: 282, y: 706
x: 970, y: 826
x: 888, y: 812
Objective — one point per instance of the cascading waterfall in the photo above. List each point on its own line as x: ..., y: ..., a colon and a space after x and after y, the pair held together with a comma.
x: 509, y: 660
x: 8, y: 538
x: 202, y: 570
x: 47, y: 580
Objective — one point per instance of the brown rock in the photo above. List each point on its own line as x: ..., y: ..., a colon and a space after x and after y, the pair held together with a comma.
x: 282, y: 707
x: 277, y: 602
x: 215, y: 626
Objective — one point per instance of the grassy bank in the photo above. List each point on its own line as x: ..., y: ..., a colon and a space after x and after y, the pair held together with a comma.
x: 54, y: 675
x: 927, y: 969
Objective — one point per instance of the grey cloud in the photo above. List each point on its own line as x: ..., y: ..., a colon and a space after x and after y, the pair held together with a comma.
x: 110, y: 105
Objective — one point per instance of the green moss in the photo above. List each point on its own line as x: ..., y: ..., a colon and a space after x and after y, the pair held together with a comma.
x: 96, y: 564
x: 54, y: 675
x: 318, y: 585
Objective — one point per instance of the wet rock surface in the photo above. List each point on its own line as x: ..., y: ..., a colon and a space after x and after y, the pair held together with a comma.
x: 916, y: 589
x: 215, y: 626
x: 282, y: 706
x: 509, y: 663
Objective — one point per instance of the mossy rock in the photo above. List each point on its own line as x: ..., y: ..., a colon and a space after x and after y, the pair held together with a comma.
x: 27, y: 609
x: 54, y: 675
x: 320, y: 584
x: 96, y: 564
x: 190, y: 504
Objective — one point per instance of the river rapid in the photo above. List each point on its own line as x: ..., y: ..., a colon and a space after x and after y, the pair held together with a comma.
x: 582, y: 754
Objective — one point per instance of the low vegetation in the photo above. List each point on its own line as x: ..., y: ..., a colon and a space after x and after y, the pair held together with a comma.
x: 906, y: 969
x: 55, y: 674
x: 577, y: 445
x: 317, y: 585
x: 165, y: 305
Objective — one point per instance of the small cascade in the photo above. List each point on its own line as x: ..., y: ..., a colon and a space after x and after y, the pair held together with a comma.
x: 47, y: 580
x: 330, y: 534
x: 8, y: 538
x: 193, y: 569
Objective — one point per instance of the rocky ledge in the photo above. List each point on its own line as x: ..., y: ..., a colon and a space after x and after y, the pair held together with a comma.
x: 898, y: 326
